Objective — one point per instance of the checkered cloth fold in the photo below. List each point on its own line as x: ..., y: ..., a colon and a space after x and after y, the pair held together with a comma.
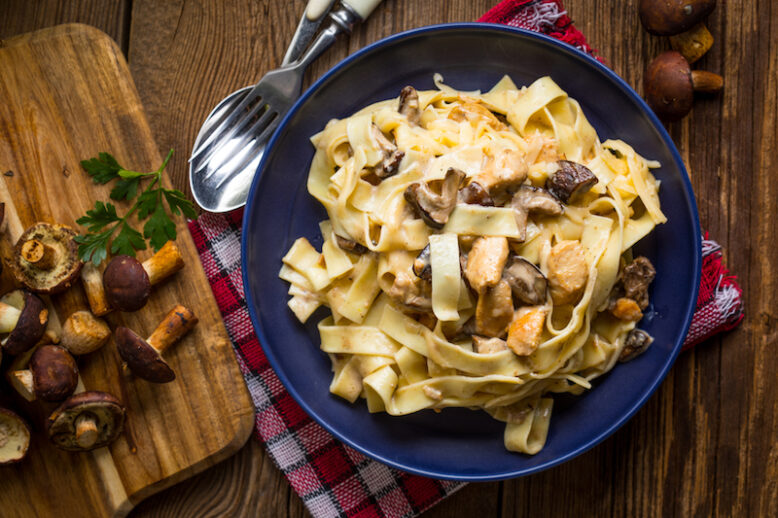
x: 331, y: 478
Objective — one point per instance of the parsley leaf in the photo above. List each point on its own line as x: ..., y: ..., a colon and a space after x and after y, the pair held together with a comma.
x: 102, y: 169
x: 159, y: 228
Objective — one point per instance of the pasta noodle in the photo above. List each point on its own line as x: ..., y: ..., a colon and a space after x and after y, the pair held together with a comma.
x: 477, y: 253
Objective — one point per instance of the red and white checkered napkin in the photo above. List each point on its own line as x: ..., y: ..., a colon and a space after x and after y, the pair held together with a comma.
x: 331, y: 478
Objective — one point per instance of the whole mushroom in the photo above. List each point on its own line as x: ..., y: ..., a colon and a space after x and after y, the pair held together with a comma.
x: 144, y: 357
x: 45, y: 258
x: 86, y: 421
x: 84, y: 333
x: 682, y: 20
x: 24, y: 316
x: 14, y: 437
x: 670, y: 84
x: 127, y: 281
x: 52, y: 375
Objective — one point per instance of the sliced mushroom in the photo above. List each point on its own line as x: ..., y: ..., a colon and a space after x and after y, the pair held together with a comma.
x: 14, y: 437
x: 483, y: 345
x: 349, y: 245
x: 422, y: 266
x: 635, y: 344
x: 24, y: 316
x: 528, y: 283
x: 45, y: 258
x: 92, y: 280
x: 636, y: 278
x: 411, y: 292
x: 568, y: 272
x: 475, y: 194
x: 503, y: 172
x: 434, y: 208
x: 532, y: 200
x: 485, y: 262
x: 86, y: 421
x: 570, y: 180
x: 128, y: 282
x: 84, y: 333
x: 390, y: 163
x: 494, y: 310
x: 526, y: 330
x: 144, y: 357
x: 409, y: 105
x: 52, y: 375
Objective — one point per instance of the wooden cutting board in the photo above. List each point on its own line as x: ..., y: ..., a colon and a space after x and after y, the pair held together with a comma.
x: 65, y: 95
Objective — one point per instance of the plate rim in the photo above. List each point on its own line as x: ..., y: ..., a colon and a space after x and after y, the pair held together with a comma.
x: 666, y: 139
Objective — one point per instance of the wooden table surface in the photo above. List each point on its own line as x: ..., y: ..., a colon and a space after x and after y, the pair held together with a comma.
x: 707, y: 442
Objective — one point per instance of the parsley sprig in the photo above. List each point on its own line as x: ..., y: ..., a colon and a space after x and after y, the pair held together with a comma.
x: 103, y: 221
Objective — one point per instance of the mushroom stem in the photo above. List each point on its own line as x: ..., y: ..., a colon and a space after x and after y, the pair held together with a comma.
x: 24, y: 384
x: 164, y: 263
x: 706, y: 82
x: 86, y: 431
x: 175, y: 325
x: 694, y: 43
x: 9, y: 316
x: 84, y: 333
x: 95, y: 292
x: 39, y: 254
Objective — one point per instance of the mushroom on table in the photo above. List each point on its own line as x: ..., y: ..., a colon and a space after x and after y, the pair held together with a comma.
x: 86, y: 421
x: 144, y: 357
x: 14, y: 437
x: 52, y: 375
x: 683, y: 21
x: 24, y: 316
x: 45, y: 258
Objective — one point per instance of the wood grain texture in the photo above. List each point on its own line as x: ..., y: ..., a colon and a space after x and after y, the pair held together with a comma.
x: 705, y: 444
x: 67, y: 94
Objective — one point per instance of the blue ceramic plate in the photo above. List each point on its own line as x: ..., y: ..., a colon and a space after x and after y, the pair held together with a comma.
x: 459, y: 443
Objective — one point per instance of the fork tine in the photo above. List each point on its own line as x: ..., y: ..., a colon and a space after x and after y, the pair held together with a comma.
x: 212, y: 122
x: 254, y: 149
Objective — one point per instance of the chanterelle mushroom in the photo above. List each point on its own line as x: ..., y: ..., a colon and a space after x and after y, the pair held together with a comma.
x: 390, y: 162
x: 434, y: 208
x: 51, y: 376
x: 84, y: 333
x: 144, y: 357
x: 128, y: 282
x: 527, y: 282
x: 570, y: 180
x: 409, y: 105
x: 532, y: 200
x: 45, y: 258
x: 24, y: 316
x: 86, y: 421
x: 14, y: 437
x: 670, y: 84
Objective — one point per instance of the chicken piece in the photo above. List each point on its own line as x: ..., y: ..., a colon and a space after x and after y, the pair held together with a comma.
x: 567, y: 272
x: 626, y: 309
x: 494, y: 310
x: 488, y: 345
x: 411, y: 292
x: 476, y: 112
x: 485, y: 262
x: 526, y: 329
x: 504, y: 171
x: 542, y: 149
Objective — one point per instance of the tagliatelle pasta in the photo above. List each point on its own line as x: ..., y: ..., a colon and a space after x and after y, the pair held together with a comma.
x: 477, y: 253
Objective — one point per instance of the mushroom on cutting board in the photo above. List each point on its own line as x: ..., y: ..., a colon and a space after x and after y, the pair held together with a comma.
x: 682, y: 20
x: 670, y: 85
x: 14, y: 437
x: 52, y: 375
x: 24, y: 316
x: 92, y: 280
x: 84, y: 333
x: 86, y: 421
x: 45, y: 258
x: 128, y: 282
x: 144, y: 357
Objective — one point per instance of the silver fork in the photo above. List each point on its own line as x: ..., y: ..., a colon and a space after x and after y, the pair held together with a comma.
x: 233, y: 138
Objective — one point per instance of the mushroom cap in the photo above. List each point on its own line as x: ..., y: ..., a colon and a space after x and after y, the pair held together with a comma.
x: 435, y: 208
x: 668, y: 86
x: 668, y: 17
x: 103, y: 407
x: 30, y: 327
x: 527, y: 282
x: 14, y: 437
x: 67, y: 265
x: 569, y: 180
x: 142, y: 359
x: 54, y: 373
x: 126, y: 283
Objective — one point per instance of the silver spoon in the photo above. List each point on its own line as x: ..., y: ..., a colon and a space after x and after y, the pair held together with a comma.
x: 231, y: 142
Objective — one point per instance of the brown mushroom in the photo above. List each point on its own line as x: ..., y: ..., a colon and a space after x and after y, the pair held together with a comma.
x: 349, y: 245
x: 636, y: 278
x: 86, y: 421
x: 532, y: 200
x: 24, y: 316
x: 422, y: 266
x: 144, y: 357
x: 570, y: 180
x: 390, y: 162
x: 670, y: 85
x: 475, y: 194
x: 682, y: 20
x: 128, y: 282
x: 409, y: 105
x: 52, y: 375
x: 434, y: 208
x: 14, y: 437
x: 92, y: 280
x: 635, y: 344
x: 84, y: 333
x: 411, y: 292
x: 45, y: 258
x: 527, y: 282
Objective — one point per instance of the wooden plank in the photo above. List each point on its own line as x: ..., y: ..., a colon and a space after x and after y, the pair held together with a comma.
x: 67, y: 95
